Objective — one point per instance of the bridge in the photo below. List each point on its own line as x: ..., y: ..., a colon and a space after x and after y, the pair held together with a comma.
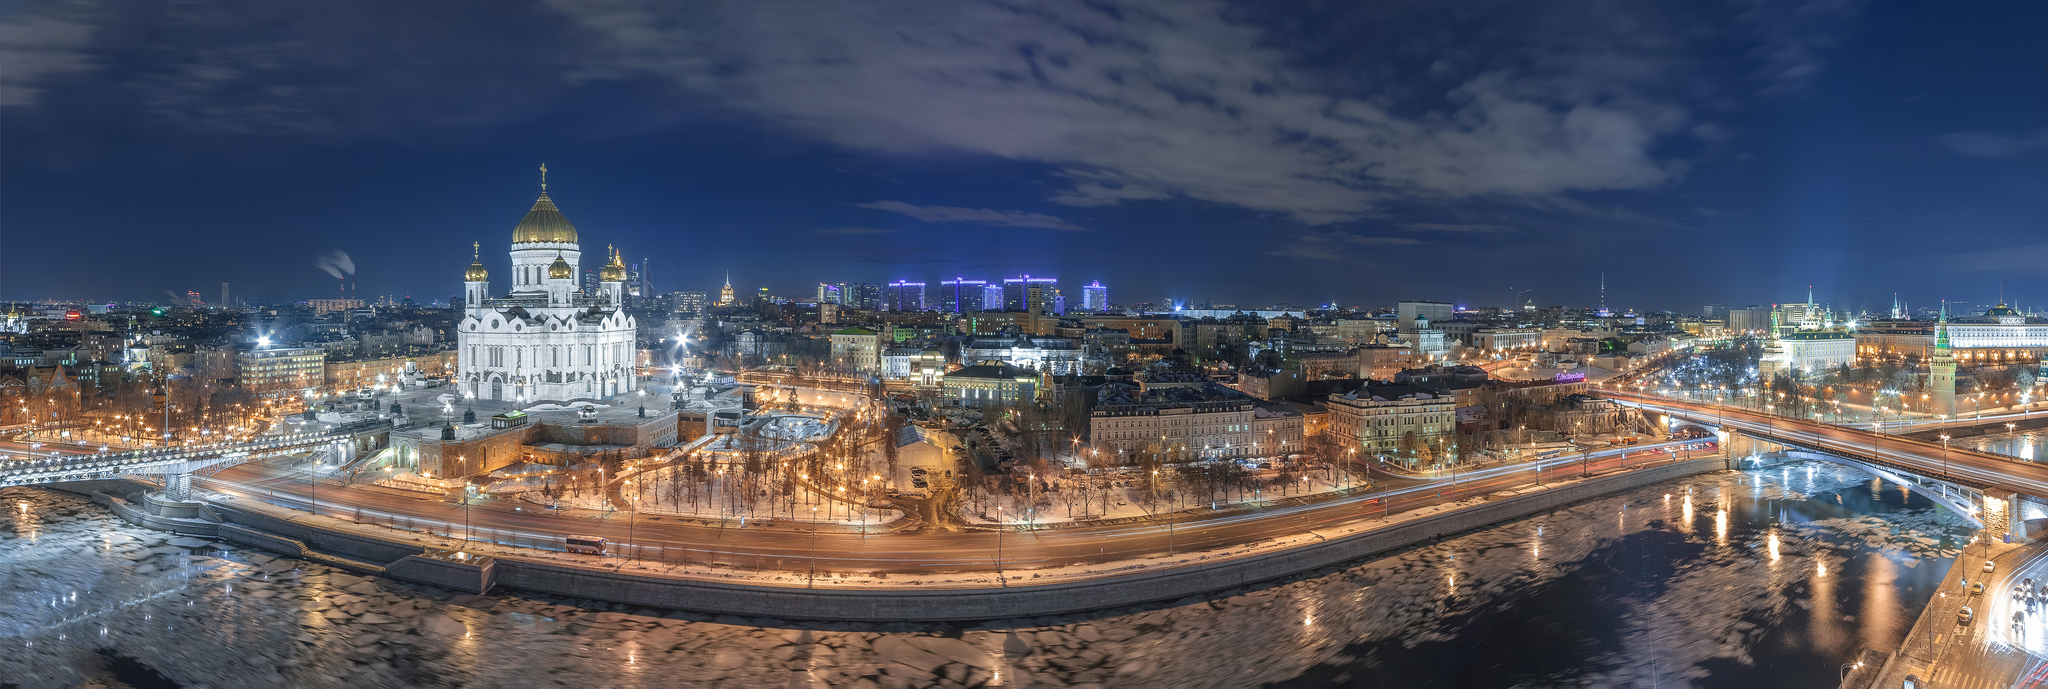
x: 1987, y: 487
x: 172, y: 468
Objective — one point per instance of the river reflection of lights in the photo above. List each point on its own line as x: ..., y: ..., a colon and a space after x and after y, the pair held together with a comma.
x: 1721, y: 526
x: 1774, y: 546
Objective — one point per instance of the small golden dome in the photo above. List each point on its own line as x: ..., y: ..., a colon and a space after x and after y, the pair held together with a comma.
x: 560, y: 269
x: 476, y: 266
x: 615, y: 271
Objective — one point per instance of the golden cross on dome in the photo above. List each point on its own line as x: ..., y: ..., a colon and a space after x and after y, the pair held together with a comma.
x: 476, y: 251
x: 543, y: 178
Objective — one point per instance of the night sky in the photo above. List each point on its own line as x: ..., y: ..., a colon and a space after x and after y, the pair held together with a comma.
x: 1355, y: 152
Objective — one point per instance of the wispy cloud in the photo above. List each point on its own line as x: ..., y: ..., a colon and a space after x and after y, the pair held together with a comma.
x: 1993, y: 145
x: 1144, y: 101
x: 853, y: 230
x: 1333, y: 246
x: 1457, y: 227
x: 2032, y: 259
x: 35, y: 46
x: 949, y: 214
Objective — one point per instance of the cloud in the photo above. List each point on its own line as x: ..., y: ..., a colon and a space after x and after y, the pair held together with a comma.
x: 1141, y: 101
x: 853, y: 230
x: 1992, y: 145
x: 1788, y: 39
x: 36, y: 46
x: 946, y: 214
x: 1333, y: 246
x: 2026, y: 259
x: 1457, y: 227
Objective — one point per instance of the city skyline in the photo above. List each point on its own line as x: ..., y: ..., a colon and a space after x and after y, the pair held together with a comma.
x: 1711, y: 139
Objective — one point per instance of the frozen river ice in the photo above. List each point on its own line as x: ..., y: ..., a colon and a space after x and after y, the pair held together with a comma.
x: 1754, y: 580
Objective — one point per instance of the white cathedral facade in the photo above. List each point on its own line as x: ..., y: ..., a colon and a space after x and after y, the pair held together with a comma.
x: 547, y: 341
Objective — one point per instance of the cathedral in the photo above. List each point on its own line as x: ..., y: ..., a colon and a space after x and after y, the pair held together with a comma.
x: 547, y: 341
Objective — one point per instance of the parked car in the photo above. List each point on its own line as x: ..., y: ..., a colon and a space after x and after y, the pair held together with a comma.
x: 1989, y: 566
x: 1977, y: 589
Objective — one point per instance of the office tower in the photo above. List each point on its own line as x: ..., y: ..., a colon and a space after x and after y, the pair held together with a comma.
x: 692, y: 301
x: 992, y: 297
x: 224, y: 295
x: 1059, y: 303
x: 1022, y: 293
x: 1094, y: 297
x: 1435, y: 311
x: 861, y: 295
x: 903, y: 295
x: 828, y: 293
x: 1714, y: 310
x: 961, y: 295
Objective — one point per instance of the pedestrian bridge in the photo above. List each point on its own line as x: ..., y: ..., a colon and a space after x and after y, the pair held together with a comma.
x: 172, y: 468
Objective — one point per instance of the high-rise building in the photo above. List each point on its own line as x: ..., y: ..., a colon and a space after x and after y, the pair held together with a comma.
x: 992, y: 297
x: 961, y: 295
x: 1714, y: 310
x: 690, y: 301
x: 1094, y: 297
x: 904, y: 295
x: 1436, y: 311
x: 1024, y: 292
x: 828, y: 293
x: 1059, y: 303
x: 1749, y: 320
x: 725, y: 295
x: 861, y: 295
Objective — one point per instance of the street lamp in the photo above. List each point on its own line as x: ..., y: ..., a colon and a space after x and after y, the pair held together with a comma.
x: 1944, y: 456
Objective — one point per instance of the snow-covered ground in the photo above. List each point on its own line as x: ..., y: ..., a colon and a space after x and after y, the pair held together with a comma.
x: 662, y: 492
x: 1069, y: 500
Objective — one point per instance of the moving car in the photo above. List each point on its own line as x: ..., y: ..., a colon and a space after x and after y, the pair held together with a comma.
x: 1965, y: 615
x: 1988, y: 566
x: 1977, y: 589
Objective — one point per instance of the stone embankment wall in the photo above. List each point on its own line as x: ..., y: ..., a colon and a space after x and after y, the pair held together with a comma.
x: 911, y: 604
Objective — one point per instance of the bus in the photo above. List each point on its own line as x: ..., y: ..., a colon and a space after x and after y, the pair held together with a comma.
x: 584, y: 544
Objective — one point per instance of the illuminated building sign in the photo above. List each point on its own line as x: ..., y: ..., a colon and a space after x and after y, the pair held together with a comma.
x: 1571, y: 377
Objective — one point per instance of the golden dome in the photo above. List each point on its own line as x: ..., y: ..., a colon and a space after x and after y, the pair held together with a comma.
x: 476, y: 266
x: 560, y: 269
x: 615, y: 271
x: 545, y: 223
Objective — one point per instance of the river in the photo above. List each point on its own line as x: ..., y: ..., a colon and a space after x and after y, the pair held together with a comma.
x: 1768, y: 578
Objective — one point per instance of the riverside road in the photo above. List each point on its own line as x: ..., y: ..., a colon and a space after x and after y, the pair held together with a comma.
x: 845, y: 548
